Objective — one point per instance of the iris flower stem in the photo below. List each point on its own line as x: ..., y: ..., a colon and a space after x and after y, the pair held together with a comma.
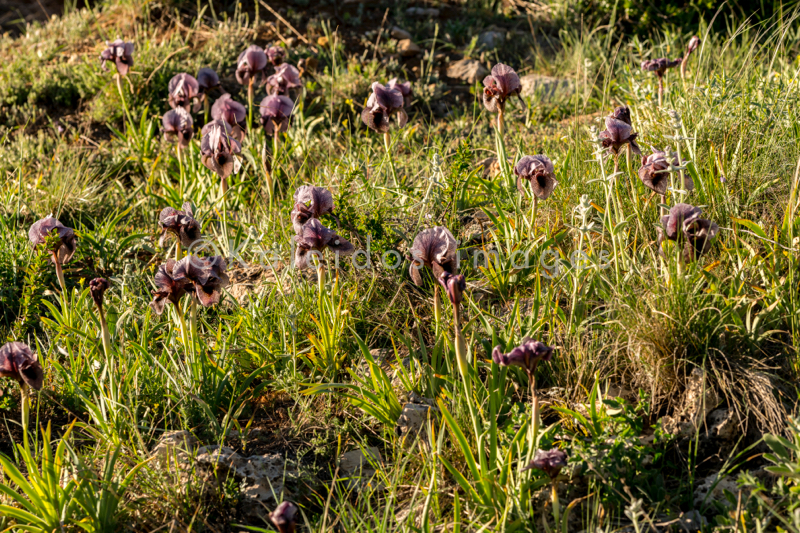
x: 193, y: 321
x: 184, y: 332
x: 25, y: 407
x: 534, y: 407
x: 463, y: 365
x: 534, y: 208
x: 178, y: 251
x: 437, y: 307
x: 206, y: 108
x: 105, y: 332
x: 660, y: 89
x: 554, y: 499
x: 387, y: 144
x: 250, y: 103
x: 61, y: 281
x: 122, y: 98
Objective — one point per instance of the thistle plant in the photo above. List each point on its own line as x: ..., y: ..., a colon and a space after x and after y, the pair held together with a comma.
x: 538, y: 172
x: 498, y: 87
x: 250, y: 66
x: 659, y: 67
x: 384, y: 104
x: 19, y: 362
x: 62, y: 248
x: 97, y: 289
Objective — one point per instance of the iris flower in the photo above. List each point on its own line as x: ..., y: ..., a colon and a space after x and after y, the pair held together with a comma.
x: 655, y: 175
x: 501, y: 84
x: 310, y: 202
x: 168, y: 288
x: 283, y: 517
x: 179, y: 223
x: 384, y: 103
x: 434, y: 248
x: 19, y: 362
x: 275, y: 112
x: 684, y: 225
x: 121, y: 53
x: 178, y: 125
x: 205, y: 277
x: 184, y: 91
x: 250, y: 65
x: 659, y: 67
x: 286, y: 77
x: 232, y: 112
x: 218, y: 148
x: 619, y: 132
x: 550, y: 462
x: 527, y: 355
x: 405, y: 89
x: 313, y: 236
x: 538, y: 171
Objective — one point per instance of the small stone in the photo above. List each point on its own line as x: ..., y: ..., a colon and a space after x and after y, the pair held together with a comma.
x: 399, y: 33
x: 422, y: 12
x: 491, y: 39
x: 692, y: 521
x: 412, y: 420
x: 467, y: 70
x: 712, y: 489
x: 175, y: 445
x: 722, y: 424
x: 408, y: 48
x: 360, y: 465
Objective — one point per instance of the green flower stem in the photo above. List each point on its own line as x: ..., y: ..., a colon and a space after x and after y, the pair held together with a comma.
x: 193, y: 321
x: 184, y: 332
x: 437, y: 307
x: 250, y: 95
x: 554, y: 499
x: 206, y: 108
x: 118, y: 78
x: 387, y: 144
x: 105, y: 332
x: 534, y: 208
x: 61, y: 281
x: 660, y: 90
x: 25, y: 405
x: 178, y: 251
x: 534, y: 407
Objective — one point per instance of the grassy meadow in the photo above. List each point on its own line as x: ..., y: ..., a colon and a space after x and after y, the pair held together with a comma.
x: 353, y: 322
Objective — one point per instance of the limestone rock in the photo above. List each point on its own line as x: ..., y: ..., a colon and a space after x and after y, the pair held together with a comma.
x: 712, y: 489
x: 467, y: 70
x: 491, y: 39
x: 413, y: 420
x: 408, y: 48
x: 722, y: 423
x: 261, y: 477
x: 430, y: 12
x: 175, y: 447
x: 399, y: 33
